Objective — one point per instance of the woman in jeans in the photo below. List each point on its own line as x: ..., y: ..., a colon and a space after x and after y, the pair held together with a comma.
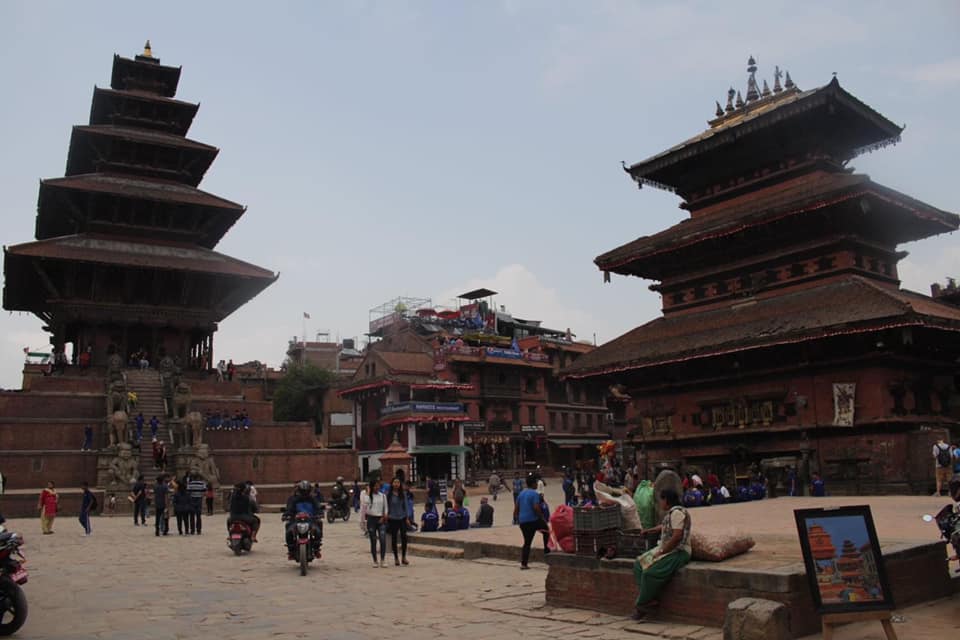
x: 397, y: 519
x: 374, y: 505
x: 529, y: 513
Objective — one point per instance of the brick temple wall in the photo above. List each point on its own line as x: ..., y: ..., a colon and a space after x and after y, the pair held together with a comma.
x: 269, y: 435
x: 52, y: 405
x: 285, y: 466
x: 33, y: 469
x: 259, y: 410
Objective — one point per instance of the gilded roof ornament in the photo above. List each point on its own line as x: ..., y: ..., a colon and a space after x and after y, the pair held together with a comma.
x: 766, y: 89
x: 739, y: 101
x: 788, y: 82
x: 730, y: 94
x: 147, y: 51
x: 777, y: 74
x: 719, y: 112
x: 752, y: 92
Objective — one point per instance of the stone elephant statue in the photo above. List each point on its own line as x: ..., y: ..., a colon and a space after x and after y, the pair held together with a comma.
x: 117, y: 427
x: 116, y: 397
x: 193, y: 428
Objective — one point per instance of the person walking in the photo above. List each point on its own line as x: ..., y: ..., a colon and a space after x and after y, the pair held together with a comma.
x: 196, y: 487
x: 160, y: 493
x: 87, y: 439
x: 942, y: 465
x: 87, y: 504
x: 529, y: 514
x: 459, y: 492
x: 138, y: 427
x: 138, y: 495
x: 181, y: 508
x: 374, y: 505
x: 209, y: 495
x: 397, y: 519
x: 49, y: 501
x: 493, y: 484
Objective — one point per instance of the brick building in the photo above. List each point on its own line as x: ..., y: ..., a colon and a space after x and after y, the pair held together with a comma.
x: 785, y: 337
x: 472, y: 390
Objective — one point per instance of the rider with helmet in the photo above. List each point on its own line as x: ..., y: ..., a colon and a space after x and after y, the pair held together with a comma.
x: 243, y: 508
x: 339, y: 495
x: 302, y: 501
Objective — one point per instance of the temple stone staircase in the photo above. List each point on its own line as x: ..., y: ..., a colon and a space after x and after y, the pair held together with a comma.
x: 149, y: 389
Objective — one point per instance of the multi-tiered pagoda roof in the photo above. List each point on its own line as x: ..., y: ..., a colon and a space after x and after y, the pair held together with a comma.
x: 126, y: 238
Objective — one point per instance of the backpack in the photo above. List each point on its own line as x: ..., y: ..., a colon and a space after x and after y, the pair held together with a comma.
x: 943, y: 456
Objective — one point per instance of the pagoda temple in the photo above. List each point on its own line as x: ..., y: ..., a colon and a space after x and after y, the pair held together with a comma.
x: 123, y: 259
x: 785, y: 337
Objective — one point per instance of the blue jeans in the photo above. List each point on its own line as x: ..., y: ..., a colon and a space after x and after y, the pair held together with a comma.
x: 85, y: 521
x: 377, y: 531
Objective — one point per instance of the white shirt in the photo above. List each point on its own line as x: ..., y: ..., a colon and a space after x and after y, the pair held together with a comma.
x: 540, y: 486
x: 375, y: 507
x: 724, y: 491
x: 697, y: 480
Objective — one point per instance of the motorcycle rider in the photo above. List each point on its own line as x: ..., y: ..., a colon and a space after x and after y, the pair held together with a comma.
x: 339, y: 496
x: 302, y: 501
x: 242, y: 509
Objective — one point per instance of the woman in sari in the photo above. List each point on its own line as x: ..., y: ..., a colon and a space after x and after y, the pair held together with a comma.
x: 49, y: 500
x: 654, y: 568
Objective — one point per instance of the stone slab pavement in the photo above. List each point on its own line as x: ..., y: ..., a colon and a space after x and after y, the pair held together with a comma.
x: 123, y: 582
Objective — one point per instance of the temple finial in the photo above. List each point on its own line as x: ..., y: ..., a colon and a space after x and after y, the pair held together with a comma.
x: 719, y: 112
x: 752, y: 92
x: 147, y: 51
x: 739, y: 102
x: 730, y: 94
x: 766, y: 89
x: 777, y: 74
x: 788, y: 82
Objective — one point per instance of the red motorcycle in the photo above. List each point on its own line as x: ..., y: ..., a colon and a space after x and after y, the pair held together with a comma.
x: 307, y: 536
x: 13, y: 602
x: 240, y: 537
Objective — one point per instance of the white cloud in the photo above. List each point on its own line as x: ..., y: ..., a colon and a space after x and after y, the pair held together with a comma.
x: 942, y: 74
x: 22, y: 330
x: 525, y: 296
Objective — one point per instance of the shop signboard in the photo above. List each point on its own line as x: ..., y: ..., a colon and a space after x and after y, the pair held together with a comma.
x: 474, y: 426
x: 532, y: 428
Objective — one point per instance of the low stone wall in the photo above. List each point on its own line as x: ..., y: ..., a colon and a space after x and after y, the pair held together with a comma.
x: 700, y: 592
x: 91, y: 382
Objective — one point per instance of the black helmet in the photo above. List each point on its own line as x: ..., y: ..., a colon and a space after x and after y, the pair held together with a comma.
x: 304, y: 486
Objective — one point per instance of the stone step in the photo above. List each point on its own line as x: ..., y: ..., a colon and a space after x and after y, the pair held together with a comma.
x: 432, y: 551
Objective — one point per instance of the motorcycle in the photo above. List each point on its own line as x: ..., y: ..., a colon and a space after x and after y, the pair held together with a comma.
x: 340, y: 508
x: 13, y: 602
x: 948, y: 521
x: 307, y: 541
x: 240, y: 537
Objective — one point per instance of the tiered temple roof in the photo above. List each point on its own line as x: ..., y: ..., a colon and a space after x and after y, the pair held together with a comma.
x: 126, y: 237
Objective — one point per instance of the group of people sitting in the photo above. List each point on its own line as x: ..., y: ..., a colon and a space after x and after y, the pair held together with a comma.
x: 223, y: 421
x: 454, y: 516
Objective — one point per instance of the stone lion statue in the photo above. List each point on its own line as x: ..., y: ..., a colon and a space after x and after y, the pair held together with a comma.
x: 114, y: 367
x: 181, y: 400
x: 124, y: 468
x: 206, y: 467
x: 193, y: 428
x: 117, y: 428
x: 116, y: 397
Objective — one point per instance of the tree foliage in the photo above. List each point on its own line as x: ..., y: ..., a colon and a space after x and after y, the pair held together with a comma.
x: 291, y: 399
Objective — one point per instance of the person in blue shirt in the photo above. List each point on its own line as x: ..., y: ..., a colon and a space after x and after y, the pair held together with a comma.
x: 529, y: 513
x: 87, y: 438
x: 464, y: 518
x: 450, y: 517
x: 429, y: 521
x: 138, y: 422
x: 89, y: 504
x: 817, y: 487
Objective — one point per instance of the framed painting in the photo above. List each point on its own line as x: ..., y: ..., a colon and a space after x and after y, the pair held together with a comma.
x: 843, y: 561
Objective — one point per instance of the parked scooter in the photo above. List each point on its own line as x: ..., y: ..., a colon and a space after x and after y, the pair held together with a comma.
x: 13, y: 601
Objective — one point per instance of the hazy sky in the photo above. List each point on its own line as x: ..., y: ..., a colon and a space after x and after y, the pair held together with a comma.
x: 424, y: 148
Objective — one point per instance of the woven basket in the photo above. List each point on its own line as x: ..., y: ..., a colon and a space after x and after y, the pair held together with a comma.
x: 594, y: 543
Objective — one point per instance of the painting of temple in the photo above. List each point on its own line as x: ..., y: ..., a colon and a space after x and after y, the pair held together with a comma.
x: 846, y: 567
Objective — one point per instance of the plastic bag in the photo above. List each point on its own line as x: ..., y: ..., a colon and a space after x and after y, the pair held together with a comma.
x: 628, y: 509
x: 646, y: 507
x: 561, y: 529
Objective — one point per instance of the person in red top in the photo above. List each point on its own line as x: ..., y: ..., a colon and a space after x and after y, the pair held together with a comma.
x: 48, y: 508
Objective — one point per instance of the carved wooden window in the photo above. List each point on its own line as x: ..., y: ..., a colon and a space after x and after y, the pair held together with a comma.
x: 722, y: 287
x: 797, y: 269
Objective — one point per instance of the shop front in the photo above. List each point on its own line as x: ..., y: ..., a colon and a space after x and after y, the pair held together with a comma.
x: 569, y: 449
